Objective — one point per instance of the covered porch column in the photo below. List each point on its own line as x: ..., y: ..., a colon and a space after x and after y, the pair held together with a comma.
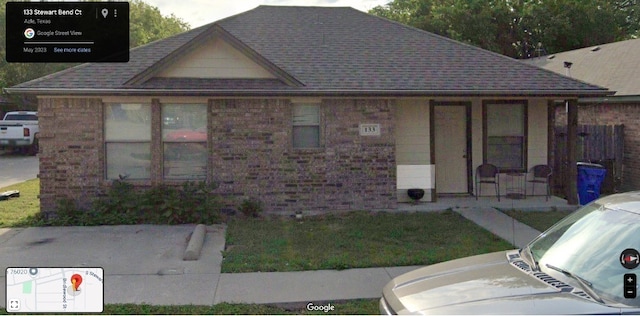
x: 572, y: 153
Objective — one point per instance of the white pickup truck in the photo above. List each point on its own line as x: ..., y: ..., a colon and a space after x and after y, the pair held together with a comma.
x: 19, y: 131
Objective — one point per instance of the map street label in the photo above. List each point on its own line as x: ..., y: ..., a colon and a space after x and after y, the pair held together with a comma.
x: 54, y: 290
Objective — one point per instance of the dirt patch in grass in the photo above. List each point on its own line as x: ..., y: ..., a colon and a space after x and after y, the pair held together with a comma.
x: 353, y: 240
x: 540, y: 220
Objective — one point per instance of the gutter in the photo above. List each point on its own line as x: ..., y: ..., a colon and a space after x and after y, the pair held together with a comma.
x: 298, y: 92
x: 611, y: 99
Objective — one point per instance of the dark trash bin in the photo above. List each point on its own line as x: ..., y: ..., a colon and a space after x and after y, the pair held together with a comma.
x: 590, y: 178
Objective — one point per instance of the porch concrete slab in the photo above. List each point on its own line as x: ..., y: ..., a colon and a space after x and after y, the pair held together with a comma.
x: 502, y: 225
x: 295, y: 287
x: 531, y: 203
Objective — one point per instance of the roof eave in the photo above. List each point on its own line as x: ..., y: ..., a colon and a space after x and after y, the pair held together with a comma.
x: 311, y: 92
x: 610, y: 99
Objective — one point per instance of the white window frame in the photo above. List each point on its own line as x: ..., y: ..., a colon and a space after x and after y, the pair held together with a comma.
x: 138, y: 138
x: 185, y: 143
x: 301, y: 117
x: 504, y: 131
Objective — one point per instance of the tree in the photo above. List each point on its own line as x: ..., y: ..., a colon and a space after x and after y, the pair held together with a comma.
x: 521, y: 28
x: 147, y: 24
x: 416, y: 13
x: 570, y: 24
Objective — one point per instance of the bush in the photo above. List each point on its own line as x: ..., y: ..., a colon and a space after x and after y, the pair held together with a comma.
x: 67, y: 214
x: 251, y: 207
x: 123, y: 204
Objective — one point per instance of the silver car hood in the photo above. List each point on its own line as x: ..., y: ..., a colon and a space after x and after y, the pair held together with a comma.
x: 485, y: 284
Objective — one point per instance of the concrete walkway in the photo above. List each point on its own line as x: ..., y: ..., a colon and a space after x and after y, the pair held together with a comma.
x: 502, y: 225
x: 143, y: 264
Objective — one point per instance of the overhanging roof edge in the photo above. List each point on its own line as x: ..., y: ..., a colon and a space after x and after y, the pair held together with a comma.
x: 283, y: 92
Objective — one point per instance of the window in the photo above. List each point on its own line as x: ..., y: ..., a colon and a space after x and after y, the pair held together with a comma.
x: 128, y: 141
x: 306, y: 126
x: 505, y: 141
x: 184, y: 138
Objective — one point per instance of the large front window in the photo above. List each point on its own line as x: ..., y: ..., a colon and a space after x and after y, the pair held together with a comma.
x: 505, y: 137
x: 184, y: 137
x: 128, y: 141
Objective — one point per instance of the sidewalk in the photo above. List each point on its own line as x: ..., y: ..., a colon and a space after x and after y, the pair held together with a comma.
x: 307, y: 286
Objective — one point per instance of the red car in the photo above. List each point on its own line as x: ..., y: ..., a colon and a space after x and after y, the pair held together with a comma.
x: 187, y: 135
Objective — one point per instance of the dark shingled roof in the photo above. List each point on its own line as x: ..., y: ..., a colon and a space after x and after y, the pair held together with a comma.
x: 326, y: 50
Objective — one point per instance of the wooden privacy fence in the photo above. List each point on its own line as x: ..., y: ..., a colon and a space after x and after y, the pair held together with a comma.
x: 601, y: 144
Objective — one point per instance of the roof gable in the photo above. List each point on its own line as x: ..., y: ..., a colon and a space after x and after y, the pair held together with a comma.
x: 325, y: 50
x: 215, y: 59
x: 225, y: 46
x: 614, y: 65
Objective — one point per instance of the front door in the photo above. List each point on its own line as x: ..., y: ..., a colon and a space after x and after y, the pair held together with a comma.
x: 450, y: 147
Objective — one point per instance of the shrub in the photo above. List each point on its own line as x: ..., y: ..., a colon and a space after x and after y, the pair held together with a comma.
x: 67, y: 213
x: 251, y: 207
x: 123, y: 204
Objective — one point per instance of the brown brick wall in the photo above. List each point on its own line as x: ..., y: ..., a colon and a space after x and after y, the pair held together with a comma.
x: 71, y: 151
x: 251, y: 154
x: 614, y: 114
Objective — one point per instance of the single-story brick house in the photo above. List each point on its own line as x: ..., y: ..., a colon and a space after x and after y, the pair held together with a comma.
x: 615, y: 66
x: 311, y: 108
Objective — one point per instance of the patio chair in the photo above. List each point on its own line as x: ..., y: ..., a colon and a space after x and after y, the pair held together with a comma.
x: 540, y: 174
x: 487, y: 173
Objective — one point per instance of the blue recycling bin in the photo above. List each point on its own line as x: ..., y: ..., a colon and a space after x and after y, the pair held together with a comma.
x: 590, y: 178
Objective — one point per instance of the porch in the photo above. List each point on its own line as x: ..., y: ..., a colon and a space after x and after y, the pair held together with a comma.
x: 531, y: 203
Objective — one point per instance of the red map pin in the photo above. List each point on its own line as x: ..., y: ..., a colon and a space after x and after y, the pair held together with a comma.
x: 76, y: 279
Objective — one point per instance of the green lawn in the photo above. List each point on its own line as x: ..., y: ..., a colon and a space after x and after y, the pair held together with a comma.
x: 353, y: 240
x: 14, y: 212
x: 540, y: 220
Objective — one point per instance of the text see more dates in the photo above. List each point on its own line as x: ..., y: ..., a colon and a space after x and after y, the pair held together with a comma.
x: 67, y: 31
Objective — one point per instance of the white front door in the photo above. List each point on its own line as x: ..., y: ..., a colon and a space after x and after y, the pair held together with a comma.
x: 450, y: 135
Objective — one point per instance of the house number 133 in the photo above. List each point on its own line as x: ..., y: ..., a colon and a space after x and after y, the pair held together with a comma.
x: 369, y: 129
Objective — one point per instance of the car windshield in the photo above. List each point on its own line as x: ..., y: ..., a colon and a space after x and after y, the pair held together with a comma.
x: 588, y: 244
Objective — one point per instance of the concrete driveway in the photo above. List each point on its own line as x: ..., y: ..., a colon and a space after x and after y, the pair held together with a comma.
x: 16, y: 168
x: 142, y: 263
